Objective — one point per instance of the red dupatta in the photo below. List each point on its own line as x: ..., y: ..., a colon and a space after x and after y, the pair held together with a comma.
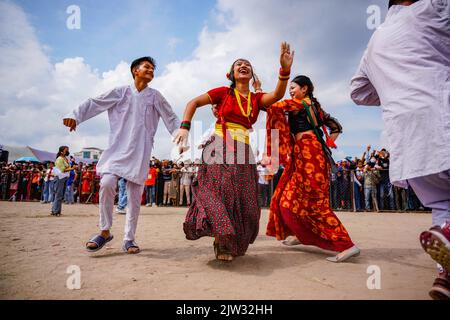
x: 276, y: 119
x: 284, y: 144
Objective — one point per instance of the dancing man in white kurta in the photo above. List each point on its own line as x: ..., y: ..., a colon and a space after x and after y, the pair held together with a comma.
x: 406, y: 70
x: 134, y: 112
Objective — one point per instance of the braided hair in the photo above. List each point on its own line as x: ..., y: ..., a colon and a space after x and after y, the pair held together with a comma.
x: 305, y: 81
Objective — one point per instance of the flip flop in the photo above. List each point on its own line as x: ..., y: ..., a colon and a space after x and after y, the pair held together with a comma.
x: 345, y: 255
x: 99, y: 241
x: 130, y: 244
x: 437, y: 246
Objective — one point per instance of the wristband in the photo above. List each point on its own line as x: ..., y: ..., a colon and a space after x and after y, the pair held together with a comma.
x: 283, y: 78
x: 185, y: 125
x: 284, y: 73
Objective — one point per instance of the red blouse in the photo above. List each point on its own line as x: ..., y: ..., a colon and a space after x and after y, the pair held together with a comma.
x: 228, y: 106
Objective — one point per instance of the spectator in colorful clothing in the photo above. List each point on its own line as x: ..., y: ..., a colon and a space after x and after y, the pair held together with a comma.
x: 62, y: 169
x: 35, y: 188
x: 371, y: 178
x: 68, y: 196
x: 150, y: 186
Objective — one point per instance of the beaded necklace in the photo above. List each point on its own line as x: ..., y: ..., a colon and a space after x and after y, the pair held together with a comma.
x: 249, y: 104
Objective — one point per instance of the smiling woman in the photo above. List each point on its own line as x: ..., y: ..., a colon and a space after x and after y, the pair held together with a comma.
x: 225, y: 204
x: 300, y: 205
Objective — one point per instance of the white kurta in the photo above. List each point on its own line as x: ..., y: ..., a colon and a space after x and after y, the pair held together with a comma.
x: 133, y: 118
x: 406, y: 70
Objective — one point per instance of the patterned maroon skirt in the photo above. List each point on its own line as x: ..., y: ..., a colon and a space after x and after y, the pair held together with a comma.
x: 225, y: 197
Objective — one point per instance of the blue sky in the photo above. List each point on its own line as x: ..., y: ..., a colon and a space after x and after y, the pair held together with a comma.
x: 194, y: 42
x: 115, y: 30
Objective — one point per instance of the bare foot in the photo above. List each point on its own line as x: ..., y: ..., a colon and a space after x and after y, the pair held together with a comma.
x: 225, y: 257
x: 219, y: 253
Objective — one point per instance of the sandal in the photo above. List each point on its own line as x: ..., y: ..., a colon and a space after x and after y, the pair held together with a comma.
x: 437, y: 246
x: 440, y: 289
x: 130, y: 244
x: 99, y: 241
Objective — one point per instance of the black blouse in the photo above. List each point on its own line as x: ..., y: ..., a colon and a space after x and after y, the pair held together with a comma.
x: 298, y: 121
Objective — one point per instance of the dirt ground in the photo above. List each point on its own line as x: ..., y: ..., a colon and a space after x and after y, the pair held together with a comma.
x: 37, y: 251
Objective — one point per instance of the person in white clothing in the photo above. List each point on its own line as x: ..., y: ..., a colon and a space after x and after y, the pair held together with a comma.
x: 406, y: 70
x: 187, y: 173
x: 134, y: 112
x: 48, y: 184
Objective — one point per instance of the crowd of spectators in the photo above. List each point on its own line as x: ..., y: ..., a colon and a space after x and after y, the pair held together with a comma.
x: 167, y: 184
x: 28, y: 181
x: 361, y: 184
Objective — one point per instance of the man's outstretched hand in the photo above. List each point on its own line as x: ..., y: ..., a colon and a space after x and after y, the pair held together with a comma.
x: 71, y: 123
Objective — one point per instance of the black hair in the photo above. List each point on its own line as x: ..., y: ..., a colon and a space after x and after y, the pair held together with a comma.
x: 396, y: 2
x: 305, y: 81
x: 231, y: 72
x: 137, y: 63
x: 60, y: 150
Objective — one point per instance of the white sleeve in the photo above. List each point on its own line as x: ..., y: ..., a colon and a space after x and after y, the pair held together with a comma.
x: 355, y: 179
x: 442, y: 6
x: 362, y: 90
x: 170, y: 119
x: 94, y: 106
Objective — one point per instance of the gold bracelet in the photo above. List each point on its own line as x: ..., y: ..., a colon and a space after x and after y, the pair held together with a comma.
x: 283, y: 78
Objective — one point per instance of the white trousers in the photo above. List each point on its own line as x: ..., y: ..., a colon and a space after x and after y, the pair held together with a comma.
x: 108, y: 191
x: 185, y: 188
x: 434, y: 192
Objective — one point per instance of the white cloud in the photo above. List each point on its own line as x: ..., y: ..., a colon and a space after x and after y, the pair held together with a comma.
x: 173, y: 42
x: 36, y: 94
x: 33, y: 104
